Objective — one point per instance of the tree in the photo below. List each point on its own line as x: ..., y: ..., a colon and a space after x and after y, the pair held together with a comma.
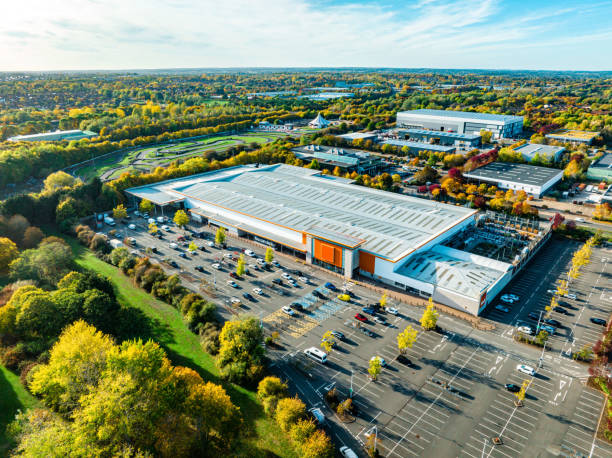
x: 486, y: 136
x: 192, y: 247
x: 8, y: 252
x: 153, y: 228
x: 119, y: 212
x: 520, y: 395
x: 318, y: 445
x: 406, y: 339
x: 269, y: 391
x: 288, y: 412
x: 181, y: 218
x: 430, y: 317
x: 58, y: 180
x: 328, y: 341
x: 32, y: 237
x: 240, y: 266
x: 46, y: 264
x: 345, y: 407
x: 220, y: 236
x: 301, y: 431
x: 374, y: 368
x: 146, y: 206
x: 383, y: 301
x: 240, y: 352
x: 269, y: 256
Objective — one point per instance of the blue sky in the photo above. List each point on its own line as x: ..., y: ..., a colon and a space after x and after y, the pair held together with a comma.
x: 120, y: 34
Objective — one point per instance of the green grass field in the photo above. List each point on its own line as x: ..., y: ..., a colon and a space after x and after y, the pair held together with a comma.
x: 13, y: 397
x: 262, y: 437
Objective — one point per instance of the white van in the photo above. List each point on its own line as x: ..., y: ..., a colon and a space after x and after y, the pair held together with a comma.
x: 160, y: 219
x: 347, y: 452
x: 316, y: 354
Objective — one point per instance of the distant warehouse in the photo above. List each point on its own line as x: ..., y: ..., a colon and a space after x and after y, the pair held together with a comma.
x: 330, y: 222
x: 531, y: 151
x: 518, y: 177
x: 573, y: 136
x: 463, y: 122
x: 416, y: 147
x: 58, y: 135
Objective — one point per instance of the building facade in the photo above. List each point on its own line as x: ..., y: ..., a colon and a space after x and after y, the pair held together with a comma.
x: 462, y: 122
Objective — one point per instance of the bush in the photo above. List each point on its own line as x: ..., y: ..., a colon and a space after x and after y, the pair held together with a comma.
x: 331, y: 397
x: 288, y: 412
x: 11, y: 357
x: 269, y: 391
x: 209, y: 338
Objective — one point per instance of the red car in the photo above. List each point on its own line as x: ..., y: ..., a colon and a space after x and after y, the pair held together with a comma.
x: 360, y: 317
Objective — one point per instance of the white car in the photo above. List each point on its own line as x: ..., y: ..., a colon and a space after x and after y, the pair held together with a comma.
x: 392, y: 310
x: 501, y: 308
x: 525, y: 369
x: 379, y: 319
x: 151, y: 221
x: 165, y: 228
x: 132, y: 226
x: 288, y: 310
x: 304, y: 279
x: 551, y: 291
x: 571, y: 296
x: 286, y: 276
x: 210, y: 244
x: 232, y: 283
x: 228, y: 255
x: 380, y: 359
x: 347, y: 452
x: 525, y: 329
x: 217, y: 266
x: 579, y: 220
x: 235, y: 300
x: 507, y: 299
x: 261, y: 261
x: 249, y: 253
x: 258, y: 291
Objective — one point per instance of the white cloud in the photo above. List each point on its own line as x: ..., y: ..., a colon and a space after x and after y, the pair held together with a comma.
x: 85, y: 34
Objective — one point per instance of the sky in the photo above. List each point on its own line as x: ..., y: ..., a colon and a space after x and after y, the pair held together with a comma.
x: 137, y: 34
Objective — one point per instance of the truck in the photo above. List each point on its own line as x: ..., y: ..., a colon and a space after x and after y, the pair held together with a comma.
x: 108, y: 220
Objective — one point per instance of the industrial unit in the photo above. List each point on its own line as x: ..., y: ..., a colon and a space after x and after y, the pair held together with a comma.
x: 574, y: 137
x: 463, y: 122
x: 347, y: 160
x: 518, y: 177
x: 601, y: 169
x: 530, y: 151
x: 416, y: 147
x: 349, y: 229
x: 441, y: 137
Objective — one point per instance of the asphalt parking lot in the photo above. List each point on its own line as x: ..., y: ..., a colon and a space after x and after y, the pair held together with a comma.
x: 451, y: 400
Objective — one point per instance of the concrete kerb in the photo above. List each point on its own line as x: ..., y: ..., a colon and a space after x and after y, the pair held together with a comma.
x: 414, y: 301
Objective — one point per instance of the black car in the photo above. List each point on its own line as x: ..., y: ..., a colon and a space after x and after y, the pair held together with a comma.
x: 248, y: 296
x: 404, y: 360
x: 318, y: 294
x: 203, y: 248
x: 367, y: 332
x: 598, y: 321
x: 561, y: 310
x: 338, y: 335
x: 296, y: 306
x: 277, y: 281
x: 174, y: 264
x: 183, y: 255
x: 199, y: 268
x: 552, y: 322
x: 533, y: 316
x: 512, y: 387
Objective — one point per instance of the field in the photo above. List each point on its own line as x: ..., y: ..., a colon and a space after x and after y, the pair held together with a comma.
x: 147, y: 158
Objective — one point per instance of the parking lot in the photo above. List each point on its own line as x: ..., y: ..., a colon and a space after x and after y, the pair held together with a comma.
x: 450, y: 401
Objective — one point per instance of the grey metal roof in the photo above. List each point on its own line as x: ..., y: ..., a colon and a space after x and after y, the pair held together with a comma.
x: 466, y: 115
x: 605, y: 162
x: 516, y: 173
x: 437, y: 133
x: 463, y: 277
x: 420, y: 145
x: 529, y: 150
x: 391, y: 225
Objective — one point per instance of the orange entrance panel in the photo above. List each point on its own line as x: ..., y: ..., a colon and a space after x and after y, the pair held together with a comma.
x: 328, y: 253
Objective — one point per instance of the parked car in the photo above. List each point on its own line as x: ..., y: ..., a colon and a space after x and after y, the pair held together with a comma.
x: 360, y: 317
x: 346, y: 452
x: 232, y: 283
x: 552, y: 322
x: 211, y: 244
x: 534, y: 316
x: 525, y: 369
x: 391, y: 310
x: 174, y: 264
x: 570, y: 296
x: 561, y: 310
x: 368, y: 310
x: 297, y: 306
x: 233, y: 275
x: 318, y: 294
x: 254, y: 267
x: 173, y: 246
x: 344, y: 297
x: 338, y: 335
x: 367, y: 332
x: 277, y: 281
x: 525, y: 330
x: 501, y: 308
x: 380, y: 359
x: 304, y: 280
x: 258, y: 291
x: 380, y: 320
x: 330, y: 286
x: 217, y: 266
x: 512, y: 387
x: 261, y: 261
x: 599, y: 321
x: 165, y: 228
x: 248, y: 297
x: 249, y: 252
x: 275, y: 263
x: 235, y: 300
x: 288, y: 310
x: 286, y: 276
x: 507, y: 299
x: 132, y: 226
x: 549, y: 329
x: 199, y: 268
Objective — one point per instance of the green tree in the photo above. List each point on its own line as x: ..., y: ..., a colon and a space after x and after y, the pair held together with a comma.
x: 301, y: 431
x: 374, y: 368
x: 58, y: 180
x: 269, y: 256
x: 429, y: 319
x: 240, y: 352
x: 486, y: 136
x: 153, y: 228
x: 288, y: 412
x: 406, y: 339
x: 146, y: 206
x: 119, y: 212
x: 8, y: 252
x: 269, y: 391
x: 328, y: 341
x: 220, y: 236
x: 181, y: 218
x: 240, y: 266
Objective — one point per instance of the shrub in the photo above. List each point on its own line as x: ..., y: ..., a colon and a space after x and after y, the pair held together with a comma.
x: 288, y: 412
x: 209, y: 338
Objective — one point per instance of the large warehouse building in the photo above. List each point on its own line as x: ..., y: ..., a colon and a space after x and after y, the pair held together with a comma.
x: 463, y: 122
x: 349, y: 229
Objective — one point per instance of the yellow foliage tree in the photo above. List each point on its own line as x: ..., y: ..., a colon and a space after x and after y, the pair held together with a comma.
x: 181, y: 218
x: 8, y: 252
x: 429, y: 319
x: 406, y: 338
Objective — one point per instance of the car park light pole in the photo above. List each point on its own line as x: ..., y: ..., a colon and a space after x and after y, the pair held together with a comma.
x: 351, y: 390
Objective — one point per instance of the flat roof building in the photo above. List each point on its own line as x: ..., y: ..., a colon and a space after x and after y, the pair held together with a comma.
x: 441, y: 137
x: 359, y: 136
x: 463, y: 122
x: 573, y: 136
x: 601, y: 169
x: 416, y: 147
x: 335, y: 224
x: 58, y: 135
x: 530, y: 150
x: 348, y: 160
x: 518, y: 177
